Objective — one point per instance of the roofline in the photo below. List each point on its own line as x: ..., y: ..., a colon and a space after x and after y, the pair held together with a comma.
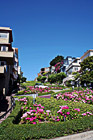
x: 86, y: 53
x: 5, y: 28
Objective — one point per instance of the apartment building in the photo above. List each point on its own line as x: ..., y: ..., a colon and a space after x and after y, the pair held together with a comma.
x: 8, y: 61
x: 74, y: 66
x: 87, y: 54
x: 66, y: 62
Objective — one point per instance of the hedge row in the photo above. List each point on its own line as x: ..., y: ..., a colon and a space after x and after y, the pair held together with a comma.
x: 67, y: 90
x: 39, y: 94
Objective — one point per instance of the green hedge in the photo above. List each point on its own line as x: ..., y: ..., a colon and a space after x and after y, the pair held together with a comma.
x: 11, y: 131
x: 67, y: 90
x: 39, y: 94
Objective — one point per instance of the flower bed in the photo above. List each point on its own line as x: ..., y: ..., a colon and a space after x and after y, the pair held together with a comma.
x: 11, y: 129
x: 31, y: 90
x: 39, y: 91
x: 85, y: 96
x: 38, y: 114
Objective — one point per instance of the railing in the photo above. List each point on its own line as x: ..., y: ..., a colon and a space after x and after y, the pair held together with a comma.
x: 10, y: 109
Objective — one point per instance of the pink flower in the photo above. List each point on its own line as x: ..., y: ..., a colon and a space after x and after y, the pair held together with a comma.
x: 40, y: 110
x: 31, y: 119
x: 21, y: 107
x: 34, y: 122
x: 27, y: 118
x: 48, y: 111
x: 68, y: 113
x: 77, y: 109
x: 58, y: 120
x: 84, y: 114
x: 42, y: 106
x: 64, y: 107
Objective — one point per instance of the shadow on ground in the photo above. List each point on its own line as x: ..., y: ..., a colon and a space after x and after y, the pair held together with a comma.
x: 3, y: 105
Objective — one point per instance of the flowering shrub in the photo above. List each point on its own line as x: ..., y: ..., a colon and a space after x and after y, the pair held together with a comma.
x: 31, y: 90
x: 58, y: 66
x: 36, y: 113
x: 85, y: 96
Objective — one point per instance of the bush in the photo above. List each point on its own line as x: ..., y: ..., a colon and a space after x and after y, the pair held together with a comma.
x: 20, y: 92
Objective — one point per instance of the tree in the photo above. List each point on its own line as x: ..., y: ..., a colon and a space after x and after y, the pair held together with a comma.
x: 23, y: 79
x: 52, y: 78
x: 60, y: 76
x: 43, y: 78
x: 86, y: 72
x: 56, y: 60
x: 39, y: 78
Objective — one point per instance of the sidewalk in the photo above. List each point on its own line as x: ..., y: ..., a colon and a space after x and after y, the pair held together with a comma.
x: 88, y: 135
x: 2, y: 112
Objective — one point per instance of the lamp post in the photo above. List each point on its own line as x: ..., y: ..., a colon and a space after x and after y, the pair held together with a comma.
x: 78, y: 83
x: 72, y: 83
x: 34, y: 95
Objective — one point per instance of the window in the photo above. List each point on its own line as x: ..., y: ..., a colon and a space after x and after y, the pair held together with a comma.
x: 3, y: 35
x: 4, y: 48
x: 75, y: 69
x: 2, y: 63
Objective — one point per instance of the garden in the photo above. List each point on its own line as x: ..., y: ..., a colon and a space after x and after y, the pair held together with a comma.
x: 61, y: 115
x: 83, y: 96
x: 38, y: 90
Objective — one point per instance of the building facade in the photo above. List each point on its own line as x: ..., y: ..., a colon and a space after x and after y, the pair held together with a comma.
x: 74, y: 66
x: 66, y: 63
x: 8, y: 61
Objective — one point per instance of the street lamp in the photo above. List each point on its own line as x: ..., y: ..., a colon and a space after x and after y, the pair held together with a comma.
x: 34, y: 95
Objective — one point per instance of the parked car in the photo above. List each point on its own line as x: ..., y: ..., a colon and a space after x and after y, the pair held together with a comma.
x: 40, y: 85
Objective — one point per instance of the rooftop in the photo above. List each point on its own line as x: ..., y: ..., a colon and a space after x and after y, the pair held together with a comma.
x: 5, y: 28
x: 91, y: 50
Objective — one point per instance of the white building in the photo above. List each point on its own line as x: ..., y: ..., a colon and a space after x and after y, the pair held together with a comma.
x: 87, y: 54
x: 74, y: 66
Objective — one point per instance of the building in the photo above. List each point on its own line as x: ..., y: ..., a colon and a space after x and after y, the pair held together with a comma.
x: 8, y: 61
x: 66, y: 63
x: 52, y: 69
x: 45, y: 70
x: 87, y: 54
x: 74, y: 66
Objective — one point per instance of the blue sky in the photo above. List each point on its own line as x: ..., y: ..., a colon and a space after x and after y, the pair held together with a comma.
x: 43, y: 29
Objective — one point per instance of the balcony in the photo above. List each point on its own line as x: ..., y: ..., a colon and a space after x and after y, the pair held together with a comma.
x: 7, y: 56
x: 72, y: 65
x: 15, y: 68
x: 15, y: 76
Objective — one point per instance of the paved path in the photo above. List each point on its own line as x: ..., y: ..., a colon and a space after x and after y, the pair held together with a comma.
x: 8, y: 98
x: 56, y: 90
x: 88, y: 135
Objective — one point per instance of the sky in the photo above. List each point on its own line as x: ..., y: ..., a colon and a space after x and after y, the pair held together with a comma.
x: 43, y: 29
